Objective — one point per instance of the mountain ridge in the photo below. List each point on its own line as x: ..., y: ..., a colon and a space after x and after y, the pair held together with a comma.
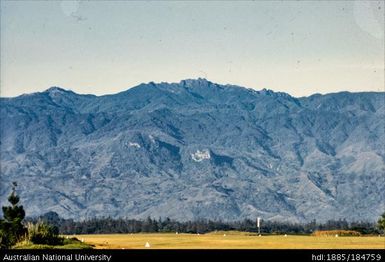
x: 182, y: 82
x: 213, y: 151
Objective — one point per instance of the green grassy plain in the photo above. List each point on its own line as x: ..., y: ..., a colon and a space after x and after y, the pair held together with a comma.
x: 67, y: 244
x: 229, y: 240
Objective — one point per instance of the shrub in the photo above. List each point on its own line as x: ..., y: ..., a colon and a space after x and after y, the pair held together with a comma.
x: 332, y: 233
x: 70, y: 243
x: 381, y: 222
x: 43, y: 233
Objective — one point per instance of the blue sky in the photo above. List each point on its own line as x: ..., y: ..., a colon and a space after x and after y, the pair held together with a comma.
x: 103, y: 47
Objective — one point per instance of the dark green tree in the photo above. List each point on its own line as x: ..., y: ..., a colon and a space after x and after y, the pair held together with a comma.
x: 381, y: 222
x: 11, y: 227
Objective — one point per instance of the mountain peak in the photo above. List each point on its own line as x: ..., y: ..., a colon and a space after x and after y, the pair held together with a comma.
x: 57, y: 90
x: 266, y: 91
x: 195, y: 82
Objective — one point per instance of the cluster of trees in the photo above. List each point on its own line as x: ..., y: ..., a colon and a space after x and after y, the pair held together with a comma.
x: 13, y: 228
x: 120, y: 225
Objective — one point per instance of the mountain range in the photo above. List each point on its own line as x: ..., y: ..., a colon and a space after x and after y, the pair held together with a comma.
x: 195, y: 150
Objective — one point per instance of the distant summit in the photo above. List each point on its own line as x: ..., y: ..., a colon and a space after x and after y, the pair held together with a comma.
x: 56, y: 89
x: 195, y: 82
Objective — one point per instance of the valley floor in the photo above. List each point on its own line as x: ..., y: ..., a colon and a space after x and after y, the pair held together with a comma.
x: 229, y: 240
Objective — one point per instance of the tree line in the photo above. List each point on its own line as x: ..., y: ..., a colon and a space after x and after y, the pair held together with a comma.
x: 45, y: 229
x: 109, y: 225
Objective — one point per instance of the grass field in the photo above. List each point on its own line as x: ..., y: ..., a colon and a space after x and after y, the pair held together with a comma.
x: 67, y: 244
x: 229, y: 240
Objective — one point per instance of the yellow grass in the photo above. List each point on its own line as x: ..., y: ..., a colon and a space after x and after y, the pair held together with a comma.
x: 232, y: 240
x: 348, y: 233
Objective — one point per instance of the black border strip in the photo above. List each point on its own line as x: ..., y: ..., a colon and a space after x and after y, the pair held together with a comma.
x: 237, y: 255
